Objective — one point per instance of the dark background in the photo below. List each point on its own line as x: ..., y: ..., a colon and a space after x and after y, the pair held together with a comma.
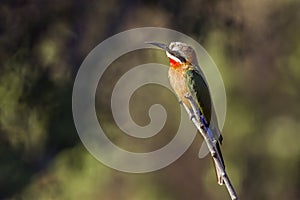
x: 255, y: 44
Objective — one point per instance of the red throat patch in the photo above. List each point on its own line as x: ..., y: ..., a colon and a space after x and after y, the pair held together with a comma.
x: 174, y: 64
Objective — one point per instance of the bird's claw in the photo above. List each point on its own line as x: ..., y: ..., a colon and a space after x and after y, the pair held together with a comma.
x: 187, y: 95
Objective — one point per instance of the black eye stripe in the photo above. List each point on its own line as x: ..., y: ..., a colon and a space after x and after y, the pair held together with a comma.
x: 182, y: 59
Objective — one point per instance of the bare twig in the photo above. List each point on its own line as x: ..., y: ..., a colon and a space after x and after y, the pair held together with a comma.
x: 194, y: 116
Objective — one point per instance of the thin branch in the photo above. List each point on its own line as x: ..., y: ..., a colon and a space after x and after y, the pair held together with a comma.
x: 211, y: 146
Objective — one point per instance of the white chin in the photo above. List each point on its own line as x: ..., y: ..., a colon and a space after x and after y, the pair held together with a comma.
x: 173, y: 57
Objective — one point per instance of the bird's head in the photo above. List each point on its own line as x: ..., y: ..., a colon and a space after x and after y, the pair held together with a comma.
x: 179, y: 54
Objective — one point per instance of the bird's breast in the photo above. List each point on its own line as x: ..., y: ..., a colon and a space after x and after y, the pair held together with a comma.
x: 178, y: 83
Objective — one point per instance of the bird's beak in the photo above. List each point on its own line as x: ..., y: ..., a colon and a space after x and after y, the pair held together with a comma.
x: 160, y: 45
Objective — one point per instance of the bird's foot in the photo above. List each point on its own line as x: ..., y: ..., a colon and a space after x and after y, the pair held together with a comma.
x: 196, y: 110
x: 187, y: 95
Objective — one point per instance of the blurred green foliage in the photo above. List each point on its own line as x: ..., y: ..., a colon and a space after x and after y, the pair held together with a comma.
x: 255, y: 44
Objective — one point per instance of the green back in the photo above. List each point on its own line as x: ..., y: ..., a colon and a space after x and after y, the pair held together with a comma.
x: 200, y: 92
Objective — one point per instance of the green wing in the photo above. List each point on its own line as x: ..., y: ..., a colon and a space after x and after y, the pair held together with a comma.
x: 200, y: 92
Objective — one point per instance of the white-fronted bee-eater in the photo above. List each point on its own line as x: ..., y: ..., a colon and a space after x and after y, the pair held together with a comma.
x: 186, y: 78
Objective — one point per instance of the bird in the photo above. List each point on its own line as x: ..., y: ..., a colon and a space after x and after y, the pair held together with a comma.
x: 186, y: 77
